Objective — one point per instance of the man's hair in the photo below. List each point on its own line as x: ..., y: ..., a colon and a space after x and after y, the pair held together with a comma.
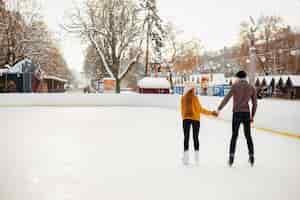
x: 241, y: 74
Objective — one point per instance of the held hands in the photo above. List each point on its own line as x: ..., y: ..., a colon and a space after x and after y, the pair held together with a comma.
x: 215, y: 113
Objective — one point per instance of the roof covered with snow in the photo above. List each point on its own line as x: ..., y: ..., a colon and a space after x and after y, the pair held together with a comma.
x: 55, y: 78
x: 2, y: 71
x: 25, y: 65
x: 154, y: 82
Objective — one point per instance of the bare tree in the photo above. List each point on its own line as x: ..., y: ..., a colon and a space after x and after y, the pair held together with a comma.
x: 112, y: 27
x: 179, y: 54
x: 266, y: 29
x: 176, y: 49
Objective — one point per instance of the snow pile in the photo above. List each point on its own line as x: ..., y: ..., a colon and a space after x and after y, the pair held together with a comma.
x: 154, y: 83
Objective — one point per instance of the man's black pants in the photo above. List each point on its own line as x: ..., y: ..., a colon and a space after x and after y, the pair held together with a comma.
x: 187, y: 123
x: 238, y: 119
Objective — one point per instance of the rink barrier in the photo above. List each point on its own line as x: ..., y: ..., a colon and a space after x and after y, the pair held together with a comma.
x: 280, y: 133
x: 287, y: 109
x: 268, y: 130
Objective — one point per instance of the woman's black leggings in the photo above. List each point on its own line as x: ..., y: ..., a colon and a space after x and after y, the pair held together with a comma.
x: 187, y: 123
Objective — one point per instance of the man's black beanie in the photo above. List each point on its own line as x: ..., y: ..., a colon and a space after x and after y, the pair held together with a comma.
x: 241, y: 74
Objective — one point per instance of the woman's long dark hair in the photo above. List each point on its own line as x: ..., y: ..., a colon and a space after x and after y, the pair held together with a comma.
x: 188, y: 102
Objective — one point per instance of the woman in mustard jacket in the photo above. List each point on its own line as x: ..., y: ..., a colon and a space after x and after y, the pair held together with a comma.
x: 191, y: 110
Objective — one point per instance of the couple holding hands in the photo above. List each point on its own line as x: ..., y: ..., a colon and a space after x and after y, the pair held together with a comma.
x: 191, y: 109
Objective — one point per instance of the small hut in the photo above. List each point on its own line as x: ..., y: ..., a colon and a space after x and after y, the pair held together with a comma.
x: 25, y: 76
x: 109, y: 85
x: 22, y: 77
x: 54, y: 84
x: 292, y: 87
x: 154, y: 85
x: 285, y: 86
x: 257, y: 83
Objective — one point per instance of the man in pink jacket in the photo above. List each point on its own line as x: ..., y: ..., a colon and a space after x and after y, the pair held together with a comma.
x: 242, y: 92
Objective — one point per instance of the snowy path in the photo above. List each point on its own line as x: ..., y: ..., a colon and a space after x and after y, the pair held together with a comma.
x: 115, y: 153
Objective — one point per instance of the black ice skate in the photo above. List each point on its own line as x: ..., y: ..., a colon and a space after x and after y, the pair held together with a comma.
x: 251, y: 160
x: 230, y: 161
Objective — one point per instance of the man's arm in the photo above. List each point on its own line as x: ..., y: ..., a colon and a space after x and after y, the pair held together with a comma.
x: 254, y: 103
x: 225, y: 100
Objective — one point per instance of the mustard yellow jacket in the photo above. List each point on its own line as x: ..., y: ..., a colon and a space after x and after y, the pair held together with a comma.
x: 192, y: 110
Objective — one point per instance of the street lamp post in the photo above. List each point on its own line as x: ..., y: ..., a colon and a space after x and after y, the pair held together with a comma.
x: 296, y: 53
x: 265, y: 69
x: 297, y: 58
x: 252, y: 53
x: 252, y: 70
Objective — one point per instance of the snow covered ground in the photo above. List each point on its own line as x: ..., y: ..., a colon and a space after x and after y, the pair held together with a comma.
x: 75, y: 153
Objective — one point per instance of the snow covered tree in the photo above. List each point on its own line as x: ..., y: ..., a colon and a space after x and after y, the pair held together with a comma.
x: 112, y: 27
x: 93, y: 66
x: 25, y: 34
x: 155, y: 33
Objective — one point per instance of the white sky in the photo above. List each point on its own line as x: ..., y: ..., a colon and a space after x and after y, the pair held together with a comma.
x: 215, y: 22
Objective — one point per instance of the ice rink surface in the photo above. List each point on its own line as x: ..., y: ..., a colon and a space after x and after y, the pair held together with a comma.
x: 76, y: 153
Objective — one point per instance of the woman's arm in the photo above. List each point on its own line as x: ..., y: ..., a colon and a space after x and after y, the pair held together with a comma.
x: 181, y: 106
x: 202, y: 109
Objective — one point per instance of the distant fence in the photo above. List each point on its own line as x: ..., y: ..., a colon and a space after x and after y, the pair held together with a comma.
x: 16, y: 82
x: 218, y: 90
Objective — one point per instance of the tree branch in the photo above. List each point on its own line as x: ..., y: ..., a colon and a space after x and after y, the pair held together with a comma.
x: 100, y: 53
x: 130, y: 65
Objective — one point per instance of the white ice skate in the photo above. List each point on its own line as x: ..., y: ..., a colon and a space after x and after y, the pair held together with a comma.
x: 196, y: 157
x: 185, y: 158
